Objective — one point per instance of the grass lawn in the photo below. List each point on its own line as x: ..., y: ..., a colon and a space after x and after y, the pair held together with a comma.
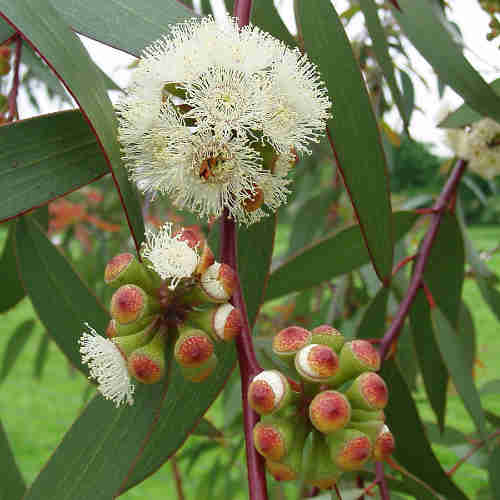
x: 37, y: 413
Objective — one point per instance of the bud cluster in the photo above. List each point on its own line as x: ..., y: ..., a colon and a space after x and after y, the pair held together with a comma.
x: 178, y: 293
x: 333, y: 421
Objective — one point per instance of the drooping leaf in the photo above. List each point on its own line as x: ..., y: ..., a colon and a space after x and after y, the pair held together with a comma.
x: 467, y: 334
x: 46, y: 157
x: 408, y: 94
x: 15, y: 346
x: 413, y: 450
x: 13, y: 487
x: 455, y: 358
x: 332, y: 256
x: 41, y: 356
x: 62, y: 301
x: 373, y: 322
x: 490, y: 294
x: 353, y: 128
x: 434, y: 371
x: 11, y: 295
x: 205, y: 428
x: 427, y: 29
x: 406, y: 358
x: 45, y: 30
x: 448, y: 437
x: 465, y: 115
x: 381, y: 49
x: 265, y: 15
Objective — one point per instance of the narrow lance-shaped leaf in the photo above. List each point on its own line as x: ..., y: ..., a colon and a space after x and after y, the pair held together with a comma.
x: 455, y: 358
x: 328, y: 258
x: 413, y: 450
x: 46, y: 31
x: 265, y: 15
x: 424, y: 25
x: 381, y: 49
x: 373, y: 322
x: 13, y: 487
x: 62, y: 302
x: 46, y: 157
x: 353, y: 128
x: 15, y: 346
x: 11, y: 295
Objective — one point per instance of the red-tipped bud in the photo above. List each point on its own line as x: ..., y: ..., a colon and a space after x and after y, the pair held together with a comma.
x: 350, y: 449
x: 130, y: 343
x: 222, y: 322
x: 316, y: 363
x: 254, y: 200
x: 329, y: 411
x: 218, y: 282
x: 269, y: 392
x: 135, y: 326
x: 327, y: 335
x: 365, y: 415
x: 131, y: 303
x: 200, y: 372
x: 368, y: 392
x: 282, y: 471
x: 371, y: 428
x: 124, y: 268
x: 356, y: 357
x: 147, y: 364
x: 273, y: 437
x: 111, y: 329
x: 289, y: 341
x: 193, y: 348
x: 384, y: 445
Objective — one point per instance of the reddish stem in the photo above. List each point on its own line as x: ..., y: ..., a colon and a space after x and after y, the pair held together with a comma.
x: 12, y: 98
x: 177, y: 477
x: 242, y: 10
x: 403, y: 263
x: 361, y: 485
x: 380, y: 479
x: 423, y: 255
x: 428, y: 295
x: 249, y: 366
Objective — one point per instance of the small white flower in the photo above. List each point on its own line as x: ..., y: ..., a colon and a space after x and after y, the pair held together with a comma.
x: 107, y: 366
x: 169, y: 256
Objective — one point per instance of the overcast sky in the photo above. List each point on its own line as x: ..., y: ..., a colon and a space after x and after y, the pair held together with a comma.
x: 473, y: 22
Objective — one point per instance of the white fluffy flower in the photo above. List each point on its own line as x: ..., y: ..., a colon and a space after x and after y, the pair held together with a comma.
x: 203, y: 105
x: 481, y: 147
x: 107, y: 366
x: 169, y: 256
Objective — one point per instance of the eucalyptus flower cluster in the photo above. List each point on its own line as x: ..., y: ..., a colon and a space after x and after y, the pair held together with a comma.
x: 215, y: 116
x: 177, y: 294
x: 330, y: 419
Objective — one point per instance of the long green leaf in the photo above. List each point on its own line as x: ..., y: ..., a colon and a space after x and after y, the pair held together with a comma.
x: 265, y: 15
x: 493, y: 470
x: 353, y: 128
x: 46, y: 157
x: 425, y: 26
x: 465, y: 115
x: 47, y: 32
x: 413, y: 450
x: 13, y: 487
x: 15, y: 345
x: 381, y: 49
x: 332, y: 256
x: 373, y: 322
x: 59, y: 297
x: 455, y: 358
x: 11, y: 295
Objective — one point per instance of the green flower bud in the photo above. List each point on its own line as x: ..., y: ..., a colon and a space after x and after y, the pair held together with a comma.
x: 200, y: 372
x: 147, y: 363
x: 132, y: 342
x: 350, y: 449
x: 193, y: 348
x: 269, y: 392
x: 289, y: 341
x: 356, y: 357
x: 364, y: 415
x: 384, y: 444
x: 131, y: 303
x: 134, y: 327
x: 273, y: 437
x: 327, y: 335
x: 329, y: 411
x: 371, y: 428
x: 317, y: 363
x: 222, y: 322
x: 125, y: 268
x: 368, y: 392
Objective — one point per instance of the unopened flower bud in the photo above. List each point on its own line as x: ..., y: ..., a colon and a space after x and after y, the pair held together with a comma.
x: 132, y: 342
x: 327, y: 335
x: 356, y: 357
x: 134, y: 326
x: 269, y: 392
x: 364, y: 415
x: 200, y: 372
x: 147, y: 364
x: 368, y: 392
x: 329, y: 411
x: 273, y: 437
x: 371, y: 428
x: 218, y: 282
x: 316, y: 363
x: 350, y: 449
x: 131, y: 303
x: 222, y: 322
x: 319, y: 469
x: 289, y: 341
x: 193, y: 348
x: 125, y: 269
x: 384, y: 444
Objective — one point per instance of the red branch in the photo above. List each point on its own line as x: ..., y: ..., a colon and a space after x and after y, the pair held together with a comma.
x: 249, y: 366
x: 423, y: 255
x: 403, y: 263
x: 380, y: 480
x: 12, y: 98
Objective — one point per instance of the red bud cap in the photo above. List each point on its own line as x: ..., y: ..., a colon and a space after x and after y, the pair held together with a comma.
x: 116, y: 266
x: 131, y: 303
x: 124, y: 268
x: 316, y: 363
x: 147, y: 364
x: 329, y: 411
x: 219, y: 282
x: 268, y: 392
x: 289, y: 341
x: 227, y: 322
x: 368, y: 392
x: 273, y: 437
x: 327, y: 335
x: 193, y: 348
x: 281, y: 471
x: 349, y: 449
x: 384, y: 445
